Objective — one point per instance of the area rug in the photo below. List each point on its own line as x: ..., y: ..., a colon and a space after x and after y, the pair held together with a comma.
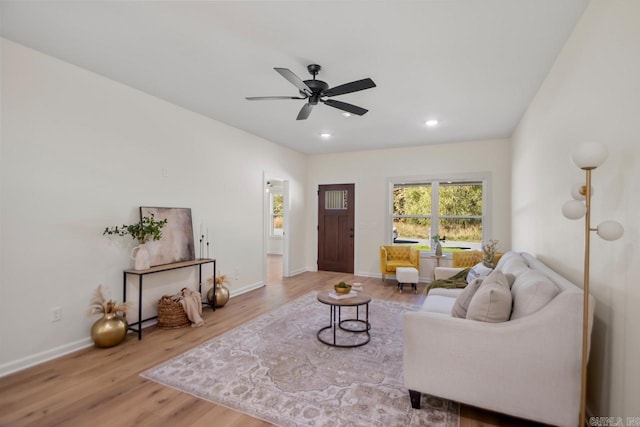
x: 275, y: 369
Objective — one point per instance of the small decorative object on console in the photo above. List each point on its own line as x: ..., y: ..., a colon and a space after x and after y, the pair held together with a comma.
x: 147, y: 229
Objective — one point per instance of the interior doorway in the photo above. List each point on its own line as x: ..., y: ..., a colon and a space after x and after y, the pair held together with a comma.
x: 276, y: 217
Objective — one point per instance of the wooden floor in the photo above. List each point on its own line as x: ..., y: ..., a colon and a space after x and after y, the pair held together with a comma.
x: 101, y: 387
x: 274, y: 269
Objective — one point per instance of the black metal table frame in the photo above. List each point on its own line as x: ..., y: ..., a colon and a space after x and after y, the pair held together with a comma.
x: 336, y: 322
x: 159, y: 269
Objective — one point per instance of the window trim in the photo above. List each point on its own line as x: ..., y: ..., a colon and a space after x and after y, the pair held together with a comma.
x: 434, y: 180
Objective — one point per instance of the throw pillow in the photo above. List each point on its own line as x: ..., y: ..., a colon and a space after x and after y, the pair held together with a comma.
x: 531, y: 292
x: 461, y: 304
x: 478, y: 270
x: 492, y: 300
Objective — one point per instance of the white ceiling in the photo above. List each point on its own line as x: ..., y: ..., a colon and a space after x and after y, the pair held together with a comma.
x: 474, y: 65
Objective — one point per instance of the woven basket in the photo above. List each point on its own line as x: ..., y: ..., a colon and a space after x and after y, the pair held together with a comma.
x: 171, y: 314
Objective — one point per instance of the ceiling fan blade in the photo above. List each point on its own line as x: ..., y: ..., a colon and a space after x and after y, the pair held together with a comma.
x: 350, y: 87
x: 305, y: 111
x: 265, y: 98
x: 350, y: 108
x: 294, y: 80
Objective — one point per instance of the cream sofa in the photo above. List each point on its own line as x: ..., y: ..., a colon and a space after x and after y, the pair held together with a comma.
x: 528, y: 366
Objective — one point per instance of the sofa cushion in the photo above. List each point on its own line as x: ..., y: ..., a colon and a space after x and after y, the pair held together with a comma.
x: 531, y: 291
x: 438, y: 304
x: 478, y: 270
x: 461, y: 304
x: 392, y: 265
x: 492, y: 301
x: 446, y: 292
x: 512, y: 264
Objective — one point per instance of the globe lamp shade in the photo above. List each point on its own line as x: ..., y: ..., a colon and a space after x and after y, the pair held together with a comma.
x: 573, y: 209
x: 590, y: 155
x: 610, y: 230
x: 575, y: 191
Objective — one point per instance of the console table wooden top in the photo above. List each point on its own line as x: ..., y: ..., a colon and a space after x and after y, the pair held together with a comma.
x: 172, y: 266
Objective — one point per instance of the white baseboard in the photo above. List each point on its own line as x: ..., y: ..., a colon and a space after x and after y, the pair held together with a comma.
x: 299, y: 271
x: 364, y: 274
x: 245, y: 289
x: 45, y: 356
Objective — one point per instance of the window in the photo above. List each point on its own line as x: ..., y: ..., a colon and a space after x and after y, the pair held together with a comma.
x: 277, y: 214
x: 451, y: 209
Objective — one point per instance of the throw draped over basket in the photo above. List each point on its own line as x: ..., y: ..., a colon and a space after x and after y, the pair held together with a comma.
x: 171, y: 314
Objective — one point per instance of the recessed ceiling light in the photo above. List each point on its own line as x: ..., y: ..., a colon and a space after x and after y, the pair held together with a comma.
x: 431, y: 123
x: 345, y: 114
x: 325, y: 135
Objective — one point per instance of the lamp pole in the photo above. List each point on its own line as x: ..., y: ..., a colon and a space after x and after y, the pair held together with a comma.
x: 585, y: 304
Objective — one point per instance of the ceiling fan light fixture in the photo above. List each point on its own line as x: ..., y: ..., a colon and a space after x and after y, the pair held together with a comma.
x: 431, y: 123
x: 346, y: 114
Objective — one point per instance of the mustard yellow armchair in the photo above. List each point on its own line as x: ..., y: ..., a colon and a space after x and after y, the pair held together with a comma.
x: 392, y: 257
x: 466, y: 259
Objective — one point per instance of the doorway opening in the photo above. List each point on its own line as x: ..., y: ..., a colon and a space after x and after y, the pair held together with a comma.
x: 276, y: 229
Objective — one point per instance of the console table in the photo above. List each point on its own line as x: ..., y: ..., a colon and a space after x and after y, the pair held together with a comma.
x: 137, y: 326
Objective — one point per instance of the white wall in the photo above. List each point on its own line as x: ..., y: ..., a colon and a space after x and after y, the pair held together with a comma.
x: 370, y: 171
x: 591, y: 93
x: 81, y: 152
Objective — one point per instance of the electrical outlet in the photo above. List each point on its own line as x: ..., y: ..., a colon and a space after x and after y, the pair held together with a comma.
x: 56, y: 314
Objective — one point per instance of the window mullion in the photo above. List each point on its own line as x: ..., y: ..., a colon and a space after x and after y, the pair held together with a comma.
x: 435, y: 202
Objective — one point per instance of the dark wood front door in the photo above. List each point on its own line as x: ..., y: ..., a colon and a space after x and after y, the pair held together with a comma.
x: 335, y: 227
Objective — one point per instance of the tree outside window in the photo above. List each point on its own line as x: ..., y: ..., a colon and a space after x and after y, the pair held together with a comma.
x: 277, y: 214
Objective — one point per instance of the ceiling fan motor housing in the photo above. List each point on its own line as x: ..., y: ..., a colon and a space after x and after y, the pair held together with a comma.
x: 317, y: 87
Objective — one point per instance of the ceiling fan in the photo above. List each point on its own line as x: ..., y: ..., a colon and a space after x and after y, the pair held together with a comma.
x: 316, y: 90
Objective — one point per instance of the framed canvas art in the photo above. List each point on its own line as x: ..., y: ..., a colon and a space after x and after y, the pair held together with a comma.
x: 176, y: 244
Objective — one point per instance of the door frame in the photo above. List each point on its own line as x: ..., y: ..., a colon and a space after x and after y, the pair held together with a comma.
x: 266, y: 217
x: 356, y: 226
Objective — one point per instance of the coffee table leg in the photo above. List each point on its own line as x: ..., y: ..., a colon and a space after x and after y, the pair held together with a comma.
x: 336, y: 324
x: 367, y: 321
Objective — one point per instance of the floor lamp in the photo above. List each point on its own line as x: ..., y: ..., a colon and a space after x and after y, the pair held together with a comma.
x: 588, y: 156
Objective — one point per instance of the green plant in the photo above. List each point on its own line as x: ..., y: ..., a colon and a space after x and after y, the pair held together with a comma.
x: 147, y: 229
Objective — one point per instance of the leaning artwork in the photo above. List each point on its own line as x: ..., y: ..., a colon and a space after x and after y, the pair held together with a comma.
x: 176, y: 244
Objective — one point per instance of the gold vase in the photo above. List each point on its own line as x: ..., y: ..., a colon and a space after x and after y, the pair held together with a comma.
x: 222, y: 295
x: 109, y: 330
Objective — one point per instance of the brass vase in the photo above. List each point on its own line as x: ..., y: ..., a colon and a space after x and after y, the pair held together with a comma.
x: 109, y: 330
x: 222, y: 295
